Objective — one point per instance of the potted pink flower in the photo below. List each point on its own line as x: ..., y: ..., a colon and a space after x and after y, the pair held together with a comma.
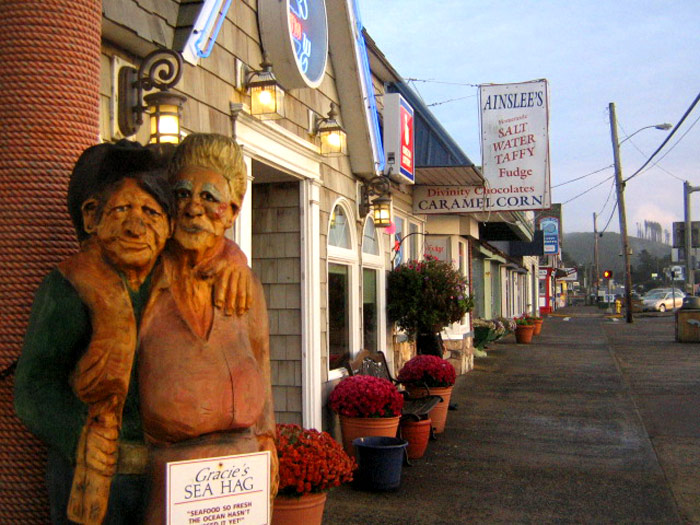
x: 367, y: 406
x: 438, y: 376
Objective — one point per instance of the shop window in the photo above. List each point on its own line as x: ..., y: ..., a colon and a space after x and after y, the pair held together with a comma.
x: 343, y: 289
x: 399, y: 246
x: 370, y: 241
x: 339, y: 232
x: 415, y: 241
x: 370, y: 309
x: 372, y: 287
x: 338, y: 315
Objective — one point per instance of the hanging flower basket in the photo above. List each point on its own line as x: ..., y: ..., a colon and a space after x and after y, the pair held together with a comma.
x: 426, y: 296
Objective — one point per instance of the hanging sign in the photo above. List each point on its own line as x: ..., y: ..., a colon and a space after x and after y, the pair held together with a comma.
x: 550, y: 228
x: 515, y: 144
x: 432, y: 200
x: 295, y: 38
x: 398, y: 137
x: 219, y: 491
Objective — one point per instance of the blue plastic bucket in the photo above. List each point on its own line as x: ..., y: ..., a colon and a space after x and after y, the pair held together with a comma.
x: 379, y: 462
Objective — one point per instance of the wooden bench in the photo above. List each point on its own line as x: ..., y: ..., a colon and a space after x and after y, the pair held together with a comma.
x: 374, y: 364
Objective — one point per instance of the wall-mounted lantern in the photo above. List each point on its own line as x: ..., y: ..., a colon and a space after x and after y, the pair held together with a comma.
x: 160, y: 70
x: 266, y: 94
x: 381, y: 205
x: 333, y: 137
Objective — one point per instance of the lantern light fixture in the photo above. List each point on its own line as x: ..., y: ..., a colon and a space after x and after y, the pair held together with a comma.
x: 160, y: 70
x: 266, y: 94
x: 381, y: 205
x: 334, y: 139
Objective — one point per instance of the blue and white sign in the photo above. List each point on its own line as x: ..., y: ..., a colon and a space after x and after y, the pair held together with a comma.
x: 550, y: 228
x: 295, y: 37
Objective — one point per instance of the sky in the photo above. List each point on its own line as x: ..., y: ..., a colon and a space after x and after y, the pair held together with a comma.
x: 642, y: 55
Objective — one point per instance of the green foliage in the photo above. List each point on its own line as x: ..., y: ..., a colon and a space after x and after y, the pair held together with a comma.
x: 425, y: 296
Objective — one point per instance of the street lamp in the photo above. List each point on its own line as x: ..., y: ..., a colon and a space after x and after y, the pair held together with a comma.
x: 620, y: 186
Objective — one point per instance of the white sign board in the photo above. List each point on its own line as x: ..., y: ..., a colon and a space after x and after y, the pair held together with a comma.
x: 219, y: 491
x: 437, y: 247
x: 515, y: 145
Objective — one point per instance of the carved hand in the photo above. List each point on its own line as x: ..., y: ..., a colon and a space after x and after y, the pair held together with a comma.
x: 102, y: 443
x: 233, y: 289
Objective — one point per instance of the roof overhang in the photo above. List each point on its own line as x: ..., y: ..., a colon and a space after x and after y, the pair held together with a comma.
x: 448, y: 176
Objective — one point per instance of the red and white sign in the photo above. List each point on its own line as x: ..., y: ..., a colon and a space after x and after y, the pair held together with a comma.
x: 398, y: 137
x: 515, y: 145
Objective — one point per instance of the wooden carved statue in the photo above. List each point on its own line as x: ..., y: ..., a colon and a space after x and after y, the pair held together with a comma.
x: 204, y: 378
x: 76, y: 382
x: 73, y: 386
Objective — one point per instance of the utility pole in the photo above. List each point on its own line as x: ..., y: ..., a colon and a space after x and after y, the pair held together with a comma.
x: 689, y: 269
x: 620, y: 186
x: 596, y: 271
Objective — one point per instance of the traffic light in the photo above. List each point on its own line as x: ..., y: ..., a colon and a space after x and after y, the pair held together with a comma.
x: 608, y: 274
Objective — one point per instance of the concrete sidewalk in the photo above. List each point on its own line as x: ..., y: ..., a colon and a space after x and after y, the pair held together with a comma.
x: 596, y: 422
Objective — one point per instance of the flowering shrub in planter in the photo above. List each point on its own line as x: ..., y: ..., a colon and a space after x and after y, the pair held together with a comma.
x: 425, y: 296
x: 508, y: 323
x: 429, y: 370
x: 310, y: 461
x: 366, y: 396
x: 523, y: 321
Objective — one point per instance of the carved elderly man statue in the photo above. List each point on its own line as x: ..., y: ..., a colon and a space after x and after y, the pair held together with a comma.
x: 204, y: 378
x: 73, y: 384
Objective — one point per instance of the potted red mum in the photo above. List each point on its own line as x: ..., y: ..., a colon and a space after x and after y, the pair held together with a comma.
x: 310, y: 464
x: 434, y: 374
x: 367, y: 406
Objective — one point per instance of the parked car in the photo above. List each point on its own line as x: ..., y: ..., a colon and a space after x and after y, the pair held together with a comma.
x: 655, y: 290
x: 662, y: 301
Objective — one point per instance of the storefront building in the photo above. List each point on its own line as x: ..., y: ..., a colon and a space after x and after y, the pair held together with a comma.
x: 307, y: 222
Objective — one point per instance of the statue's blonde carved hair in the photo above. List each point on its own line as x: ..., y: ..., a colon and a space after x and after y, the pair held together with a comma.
x: 215, y: 152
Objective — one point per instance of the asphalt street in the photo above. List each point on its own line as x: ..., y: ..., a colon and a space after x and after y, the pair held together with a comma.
x: 597, y: 421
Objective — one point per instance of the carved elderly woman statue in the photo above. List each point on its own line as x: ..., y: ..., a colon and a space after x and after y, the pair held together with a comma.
x: 204, y: 378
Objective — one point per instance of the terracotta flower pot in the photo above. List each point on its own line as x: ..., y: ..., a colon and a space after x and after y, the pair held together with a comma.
x: 305, y: 510
x: 537, y: 323
x: 417, y: 433
x: 524, y: 333
x: 438, y: 415
x: 354, y: 427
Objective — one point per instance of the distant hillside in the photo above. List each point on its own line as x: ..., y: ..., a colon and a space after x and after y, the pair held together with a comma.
x: 579, y: 246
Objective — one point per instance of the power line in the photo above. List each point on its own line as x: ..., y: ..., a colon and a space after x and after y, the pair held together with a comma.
x: 656, y: 164
x: 440, y: 82
x: 692, y: 106
x: 589, y: 189
x: 582, y: 176
x: 612, y: 187
x: 450, y: 100
x: 612, y: 212
x: 677, y: 142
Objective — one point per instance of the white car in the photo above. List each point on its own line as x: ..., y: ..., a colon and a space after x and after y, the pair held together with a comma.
x: 661, y: 301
